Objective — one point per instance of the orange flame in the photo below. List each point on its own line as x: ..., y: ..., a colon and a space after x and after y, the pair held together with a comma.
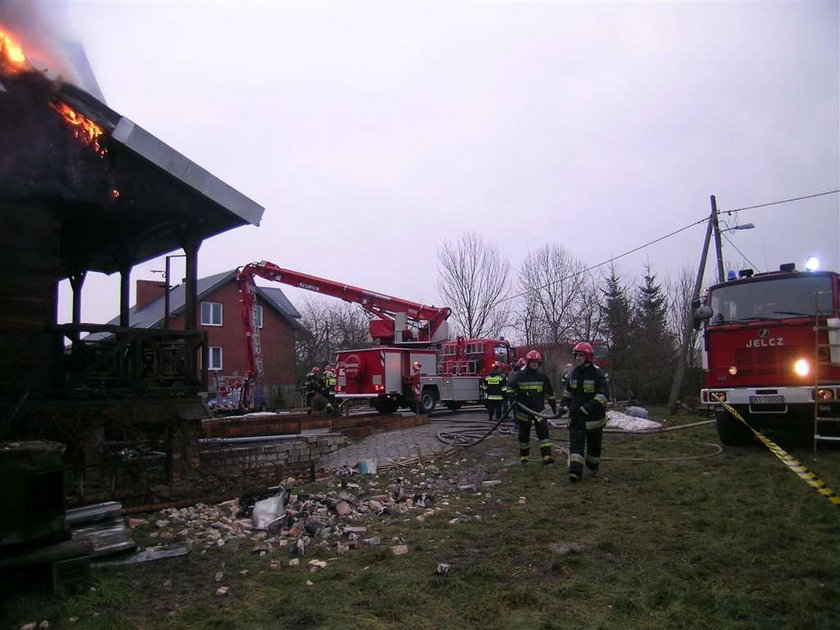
x: 11, y: 53
x: 83, y: 128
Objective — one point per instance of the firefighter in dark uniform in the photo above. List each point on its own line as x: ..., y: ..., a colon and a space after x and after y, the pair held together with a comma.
x: 586, y: 396
x: 531, y: 387
x: 328, y: 392
x: 312, y: 384
x: 494, y: 386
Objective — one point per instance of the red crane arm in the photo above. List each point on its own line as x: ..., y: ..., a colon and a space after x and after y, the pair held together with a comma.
x: 384, y: 307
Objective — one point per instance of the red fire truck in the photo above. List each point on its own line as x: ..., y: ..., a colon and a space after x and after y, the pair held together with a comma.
x: 413, y: 364
x: 771, y: 349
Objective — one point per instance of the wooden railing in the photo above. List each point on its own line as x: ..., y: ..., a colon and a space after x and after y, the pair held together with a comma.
x: 100, y: 360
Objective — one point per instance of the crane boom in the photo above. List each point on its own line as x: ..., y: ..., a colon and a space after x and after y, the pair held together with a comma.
x: 391, y: 320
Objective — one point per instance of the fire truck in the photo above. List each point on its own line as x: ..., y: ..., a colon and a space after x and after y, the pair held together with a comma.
x: 771, y: 350
x: 413, y: 363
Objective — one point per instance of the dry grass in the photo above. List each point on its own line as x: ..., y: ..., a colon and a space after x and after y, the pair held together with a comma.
x: 732, y: 541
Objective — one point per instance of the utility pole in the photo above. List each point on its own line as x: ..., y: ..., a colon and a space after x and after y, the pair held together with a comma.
x: 679, y: 373
x: 718, y: 251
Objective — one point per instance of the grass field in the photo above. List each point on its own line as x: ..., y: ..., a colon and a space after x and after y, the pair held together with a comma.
x: 666, y: 537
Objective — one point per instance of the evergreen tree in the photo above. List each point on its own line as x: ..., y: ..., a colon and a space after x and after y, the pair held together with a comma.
x: 617, y: 322
x: 654, y: 346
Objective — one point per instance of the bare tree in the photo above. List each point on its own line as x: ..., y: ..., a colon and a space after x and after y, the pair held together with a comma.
x: 473, y: 281
x: 526, y: 322
x: 589, y: 322
x: 328, y: 326
x: 680, y: 291
x: 555, y: 283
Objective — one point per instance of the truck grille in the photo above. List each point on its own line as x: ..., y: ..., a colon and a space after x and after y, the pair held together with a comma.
x: 763, y: 362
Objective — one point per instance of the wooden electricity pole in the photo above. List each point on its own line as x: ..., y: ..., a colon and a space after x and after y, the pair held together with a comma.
x: 679, y: 373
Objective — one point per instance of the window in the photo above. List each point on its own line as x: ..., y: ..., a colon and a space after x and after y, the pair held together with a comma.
x: 211, y: 314
x: 501, y: 352
x: 258, y: 312
x: 214, y: 358
x: 772, y: 299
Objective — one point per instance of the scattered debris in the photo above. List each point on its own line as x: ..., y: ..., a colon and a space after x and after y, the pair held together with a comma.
x: 399, y: 550
x: 147, y: 555
x: 562, y: 549
x: 222, y: 591
x: 444, y: 569
x: 103, y: 524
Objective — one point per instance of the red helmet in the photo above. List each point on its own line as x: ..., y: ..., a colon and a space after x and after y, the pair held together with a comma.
x: 585, y: 348
x: 533, y: 355
x: 316, y: 369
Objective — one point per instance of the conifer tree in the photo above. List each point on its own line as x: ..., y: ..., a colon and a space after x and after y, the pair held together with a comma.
x: 654, y: 346
x: 617, y: 322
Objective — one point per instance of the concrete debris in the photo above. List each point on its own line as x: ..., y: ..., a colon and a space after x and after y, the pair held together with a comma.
x: 219, y: 576
x: 444, y: 569
x: 222, y: 591
x: 294, y: 562
x: 335, y: 520
x: 310, y: 583
x: 492, y: 482
x: 316, y: 565
x: 399, y: 550
x: 562, y: 549
x: 522, y: 500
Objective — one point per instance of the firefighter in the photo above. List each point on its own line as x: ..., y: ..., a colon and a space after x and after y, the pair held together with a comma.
x: 312, y: 384
x: 586, y: 396
x: 567, y: 372
x: 494, y: 386
x: 531, y: 387
x: 329, y: 388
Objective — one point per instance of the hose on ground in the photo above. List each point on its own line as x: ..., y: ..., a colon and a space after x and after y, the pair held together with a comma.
x: 476, y: 431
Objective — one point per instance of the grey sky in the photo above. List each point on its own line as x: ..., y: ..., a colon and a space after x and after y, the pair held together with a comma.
x: 372, y: 131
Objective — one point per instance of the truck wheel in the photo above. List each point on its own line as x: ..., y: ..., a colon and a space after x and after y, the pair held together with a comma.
x: 428, y: 400
x: 732, y: 431
x: 453, y: 406
x: 385, y: 407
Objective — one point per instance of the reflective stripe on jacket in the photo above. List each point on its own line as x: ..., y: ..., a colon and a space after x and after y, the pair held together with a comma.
x: 587, y: 389
x: 532, y: 388
x: 494, y: 386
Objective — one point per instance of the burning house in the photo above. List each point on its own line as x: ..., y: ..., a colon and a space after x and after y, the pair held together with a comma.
x: 84, y: 189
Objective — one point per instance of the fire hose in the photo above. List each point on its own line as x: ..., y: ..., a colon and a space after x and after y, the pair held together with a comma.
x: 476, y: 431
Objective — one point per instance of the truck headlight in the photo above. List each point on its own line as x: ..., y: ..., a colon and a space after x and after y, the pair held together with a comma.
x: 802, y: 367
x: 823, y: 393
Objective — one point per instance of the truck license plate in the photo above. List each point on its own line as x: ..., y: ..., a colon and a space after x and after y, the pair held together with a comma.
x: 767, y: 400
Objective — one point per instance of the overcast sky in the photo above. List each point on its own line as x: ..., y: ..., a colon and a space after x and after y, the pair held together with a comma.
x: 373, y: 131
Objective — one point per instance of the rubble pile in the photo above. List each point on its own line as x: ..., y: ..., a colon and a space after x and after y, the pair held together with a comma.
x: 335, y: 520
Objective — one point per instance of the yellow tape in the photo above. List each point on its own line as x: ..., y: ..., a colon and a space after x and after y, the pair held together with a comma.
x: 788, y: 460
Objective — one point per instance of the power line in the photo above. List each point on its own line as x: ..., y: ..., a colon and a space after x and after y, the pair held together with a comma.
x: 776, y: 203
x: 735, y: 247
x: 609, y: 260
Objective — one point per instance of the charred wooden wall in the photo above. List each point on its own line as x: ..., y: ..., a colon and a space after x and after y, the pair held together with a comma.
x: 30, y: 242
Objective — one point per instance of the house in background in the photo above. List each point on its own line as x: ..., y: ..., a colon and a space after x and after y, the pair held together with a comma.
x: 220, y: 317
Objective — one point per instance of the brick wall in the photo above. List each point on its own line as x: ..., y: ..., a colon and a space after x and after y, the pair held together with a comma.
x: 277, y: 337
x: 266, y: 462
